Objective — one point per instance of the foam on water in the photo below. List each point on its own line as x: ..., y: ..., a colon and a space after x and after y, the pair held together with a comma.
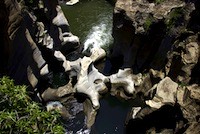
x: 99, y: 36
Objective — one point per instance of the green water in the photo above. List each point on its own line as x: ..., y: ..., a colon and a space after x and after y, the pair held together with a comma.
x: 91, y: 21
x: 88, y: 16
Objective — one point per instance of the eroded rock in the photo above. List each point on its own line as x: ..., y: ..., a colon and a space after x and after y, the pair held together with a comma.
x: 165, y: 93
x: 122, y: 82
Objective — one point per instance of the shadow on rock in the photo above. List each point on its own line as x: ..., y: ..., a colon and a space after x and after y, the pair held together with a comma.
x: 166, y: 117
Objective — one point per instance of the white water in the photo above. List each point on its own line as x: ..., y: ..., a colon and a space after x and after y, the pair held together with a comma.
x: 99, y: 36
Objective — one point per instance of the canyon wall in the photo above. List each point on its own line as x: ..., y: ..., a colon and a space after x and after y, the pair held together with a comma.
x: 145, y: 31
x: 32, y: 32
x: 160, y: 39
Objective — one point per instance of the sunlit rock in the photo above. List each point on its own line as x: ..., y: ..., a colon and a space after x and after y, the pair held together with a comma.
x: 183, y: 59
x: 57, y: 94
x: 90, y: 81
x: 122, y: 83
x: 90, y: 113
x: 165, y: 93
x: 187, y: 101
x: 71, y: 2
x: 194, y: 92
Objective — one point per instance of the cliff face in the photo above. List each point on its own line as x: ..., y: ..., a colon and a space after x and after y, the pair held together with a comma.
x: 42, y: 46
x: 161, y: 40
x: 34, y: 31
x: 145, y: 31
x: 157, y: 38
x: 4, y: 39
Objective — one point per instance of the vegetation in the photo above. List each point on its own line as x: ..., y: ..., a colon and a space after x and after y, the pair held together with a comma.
x: 159, y: 1
x: 175, y: 17
x: 19, y: 114
x: 148, y: 23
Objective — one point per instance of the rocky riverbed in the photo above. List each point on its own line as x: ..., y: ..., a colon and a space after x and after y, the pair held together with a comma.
x: 154, y: 59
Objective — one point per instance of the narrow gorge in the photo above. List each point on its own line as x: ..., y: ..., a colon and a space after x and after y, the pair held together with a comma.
x: 108, y: 66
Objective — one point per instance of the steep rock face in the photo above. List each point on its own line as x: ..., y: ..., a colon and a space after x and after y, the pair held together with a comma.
x: 42, y: 47
x: 35, y: 35
x: 144, y: 31
x: 161, y: 40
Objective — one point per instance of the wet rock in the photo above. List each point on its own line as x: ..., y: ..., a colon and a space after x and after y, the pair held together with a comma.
x: 76, y: 123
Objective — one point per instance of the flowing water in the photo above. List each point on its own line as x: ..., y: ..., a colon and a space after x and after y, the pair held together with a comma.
x: 91, y: 21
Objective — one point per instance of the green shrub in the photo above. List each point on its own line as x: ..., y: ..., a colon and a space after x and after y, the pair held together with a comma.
x: 19, y: 114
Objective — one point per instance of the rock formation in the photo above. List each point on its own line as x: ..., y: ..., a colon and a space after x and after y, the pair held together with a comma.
x: 156, y: 41
x: 41, y: 46
x: 160, y: 39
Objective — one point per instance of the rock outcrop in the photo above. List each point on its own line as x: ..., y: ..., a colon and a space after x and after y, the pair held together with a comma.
x: 41, y: 48
x: 156, y: 41
x: 160, y: 39
x: 144, y: 31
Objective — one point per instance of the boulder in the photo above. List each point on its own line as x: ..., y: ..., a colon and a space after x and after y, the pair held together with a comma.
x: 71, y: 2
x: 165, y: 93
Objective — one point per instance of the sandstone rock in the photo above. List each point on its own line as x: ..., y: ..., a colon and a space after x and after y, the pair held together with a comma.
x: 157, y: 74
x: 122, y: 82
x: 165, y: 93
x: 190, y: 109
x: 194, y: 128
x: 57, y: 94
x: 144, y: 31
x: 182, y: 59
x: 192, y: 53
x: 90, y: 113
x: 90, y: 81
x: 194, y: 92
x: 138, y: 11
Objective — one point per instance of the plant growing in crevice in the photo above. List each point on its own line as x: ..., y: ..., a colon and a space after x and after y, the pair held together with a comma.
x: 148, y: 23
x: 175, y: 18
x: 19, y: 114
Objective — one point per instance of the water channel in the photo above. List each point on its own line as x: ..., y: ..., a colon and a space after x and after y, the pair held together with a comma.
x: 91, y: 21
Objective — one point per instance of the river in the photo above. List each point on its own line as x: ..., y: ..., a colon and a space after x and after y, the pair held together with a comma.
x: 91, y: 21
